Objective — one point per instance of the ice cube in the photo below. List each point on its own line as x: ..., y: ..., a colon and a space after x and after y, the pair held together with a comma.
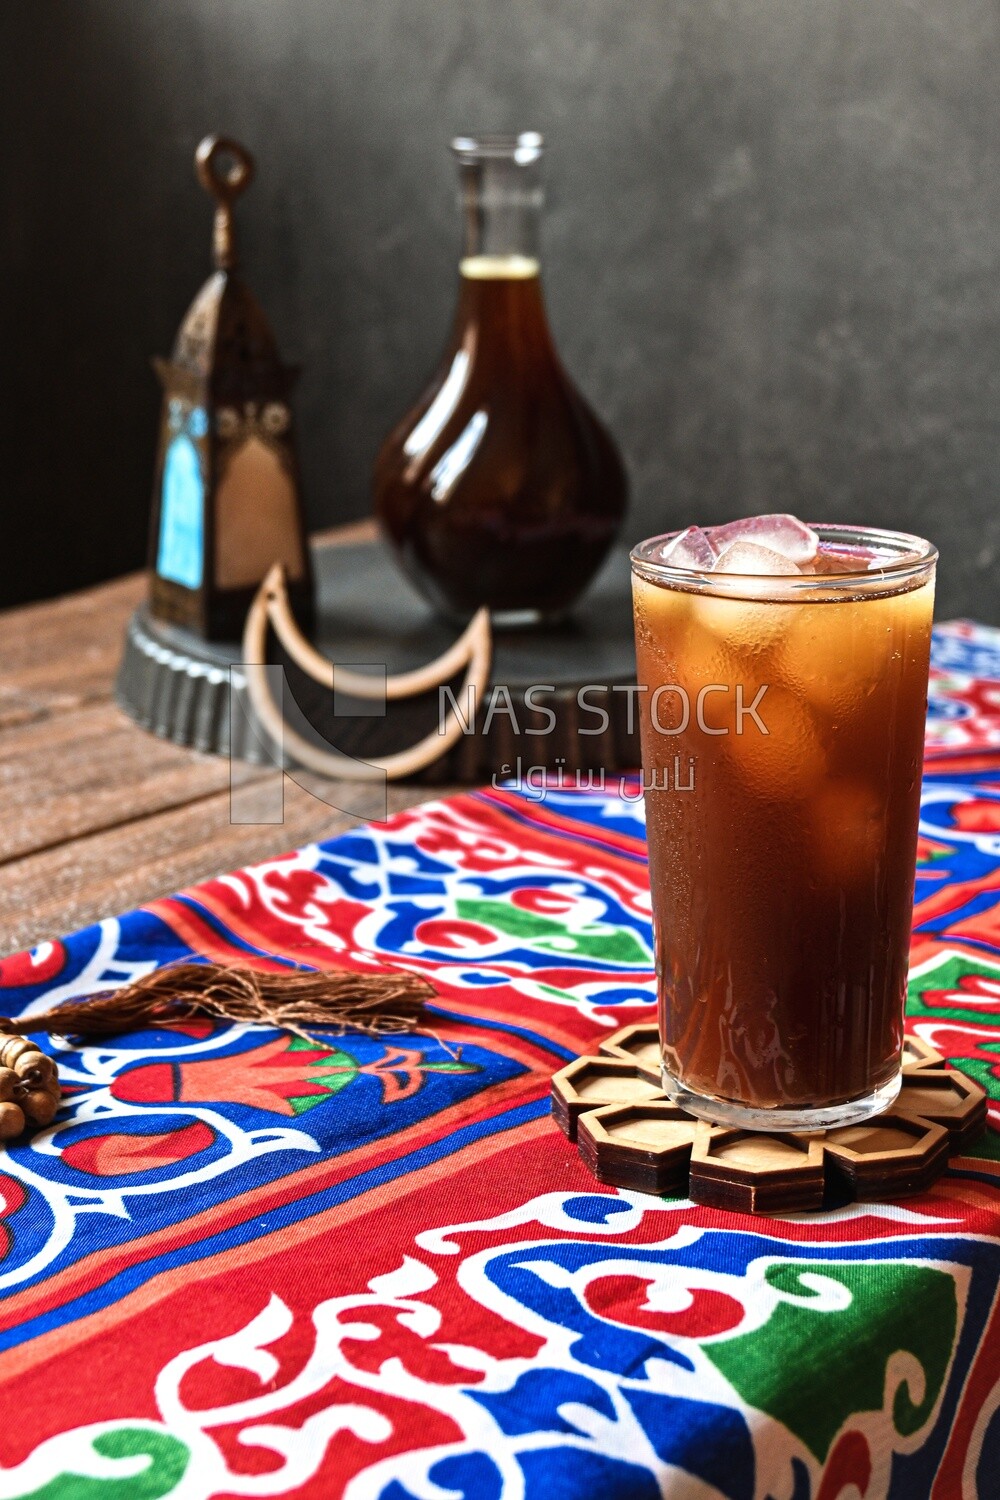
x: 834, y: 560
x: 784, y: 534
x: 753, y: 558
x: 837, y: 656
x: 787, y: 762
x: 690, y: 549
x: 749, y: 625
x: 677, y: 647
x: 660, y: 616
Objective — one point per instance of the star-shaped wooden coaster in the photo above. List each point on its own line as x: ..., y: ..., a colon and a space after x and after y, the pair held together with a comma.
x: 630, y: 1135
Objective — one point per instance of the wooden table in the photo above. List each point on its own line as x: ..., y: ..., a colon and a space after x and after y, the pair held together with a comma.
x: 99, y: 816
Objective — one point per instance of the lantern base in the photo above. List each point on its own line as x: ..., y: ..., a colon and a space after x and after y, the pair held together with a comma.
x: 183, y: 688
x: 220, y: 619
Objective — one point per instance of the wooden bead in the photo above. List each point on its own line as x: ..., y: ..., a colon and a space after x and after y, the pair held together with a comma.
x: 40, y: 1106
x: 14, y: 1048
x: 29, y: 1086
x: 35, y: 1066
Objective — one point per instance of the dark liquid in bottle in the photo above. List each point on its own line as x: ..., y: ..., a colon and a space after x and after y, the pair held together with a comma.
x: 501, y: 487
x: 782, y: 884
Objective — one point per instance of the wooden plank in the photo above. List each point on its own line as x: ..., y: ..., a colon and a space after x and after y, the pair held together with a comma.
x: 93, y: 769
x: 62, y: 654
x: 100, y: 816
x: 71, y: 764
x: 75, y: 623
x: 58, y: 656
x: 55, y: 892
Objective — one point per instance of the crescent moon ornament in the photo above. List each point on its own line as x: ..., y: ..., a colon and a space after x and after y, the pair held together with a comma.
x: 473, y: 650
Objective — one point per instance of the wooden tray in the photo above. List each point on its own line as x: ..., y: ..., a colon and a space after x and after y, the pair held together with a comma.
x: 630, y: 1135
x: 178, y: 685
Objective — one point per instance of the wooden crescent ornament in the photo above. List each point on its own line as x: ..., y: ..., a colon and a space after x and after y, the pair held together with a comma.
x: 473, y: 650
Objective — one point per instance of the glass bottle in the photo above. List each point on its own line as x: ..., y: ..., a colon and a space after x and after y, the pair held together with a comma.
x: 501, y: 486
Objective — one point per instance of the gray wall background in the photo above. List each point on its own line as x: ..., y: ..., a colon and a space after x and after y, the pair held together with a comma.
x: 771, y: 250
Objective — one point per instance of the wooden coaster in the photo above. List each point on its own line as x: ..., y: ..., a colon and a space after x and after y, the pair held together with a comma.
x: 888, y: 1156
x: 639, y: 1044
x: 947, y: 1098
x: 630, y: 1135
x: 919, y: 1054
x: 591, y: 1081
x: 642, y: 1146
x: 754, y: 1173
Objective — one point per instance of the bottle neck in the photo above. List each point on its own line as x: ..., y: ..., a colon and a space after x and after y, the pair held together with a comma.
x: 501, y: 200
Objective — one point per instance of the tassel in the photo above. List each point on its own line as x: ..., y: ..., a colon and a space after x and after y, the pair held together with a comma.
x: 341, y: 1000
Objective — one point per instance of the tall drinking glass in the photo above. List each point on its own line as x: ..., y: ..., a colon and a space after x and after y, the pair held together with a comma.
x: 782, y: 726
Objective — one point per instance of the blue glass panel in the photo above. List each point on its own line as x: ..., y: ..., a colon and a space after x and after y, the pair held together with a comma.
x: 179, y: 557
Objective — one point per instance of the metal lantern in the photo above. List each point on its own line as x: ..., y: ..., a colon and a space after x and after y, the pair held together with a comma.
x: 226, y: 503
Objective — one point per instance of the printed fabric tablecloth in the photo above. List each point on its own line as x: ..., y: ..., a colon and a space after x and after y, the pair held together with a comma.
x: 240, y: 1264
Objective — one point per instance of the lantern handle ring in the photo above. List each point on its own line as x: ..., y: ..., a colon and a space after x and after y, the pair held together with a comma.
x: 225, y: 170
x: 224, y: 181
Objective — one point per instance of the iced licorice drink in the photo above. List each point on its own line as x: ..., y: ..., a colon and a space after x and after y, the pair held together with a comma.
x: 783, y: 689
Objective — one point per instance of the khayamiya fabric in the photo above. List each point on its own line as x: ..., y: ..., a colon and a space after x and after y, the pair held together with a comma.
x: 245, y: 1264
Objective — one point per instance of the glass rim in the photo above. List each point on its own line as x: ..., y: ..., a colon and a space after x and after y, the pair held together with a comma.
x: 903, y: 558
x: 522, y: 146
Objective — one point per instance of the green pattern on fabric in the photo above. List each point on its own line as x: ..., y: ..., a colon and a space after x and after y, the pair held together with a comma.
x: 346, y: 1071
x: 988, y: 1148
x: 557, y: 994
x: 302, y: 1102
x: 168, y: 1459
x: 337, y: 1069
x: 949, y: 975
x: 616, y: 945
x: 839, y: 1356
